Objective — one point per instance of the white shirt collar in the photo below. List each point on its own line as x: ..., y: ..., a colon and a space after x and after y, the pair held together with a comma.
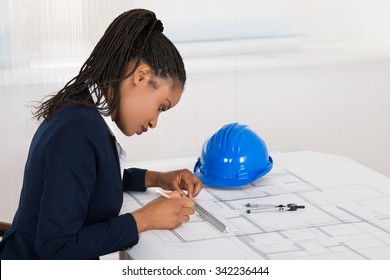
x: 121, y: 151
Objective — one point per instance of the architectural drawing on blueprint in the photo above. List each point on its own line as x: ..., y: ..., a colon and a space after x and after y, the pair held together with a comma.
x: 343, y: 222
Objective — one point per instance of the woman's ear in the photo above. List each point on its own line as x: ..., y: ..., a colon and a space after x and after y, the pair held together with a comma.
x: 142, y: 74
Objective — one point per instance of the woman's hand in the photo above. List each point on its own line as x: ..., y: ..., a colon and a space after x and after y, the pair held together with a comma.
x: 164, y: 213
x: 177, y: 180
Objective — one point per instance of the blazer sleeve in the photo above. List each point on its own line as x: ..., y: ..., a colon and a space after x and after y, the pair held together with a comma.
x: 72, y: 159
x: 134, y: 179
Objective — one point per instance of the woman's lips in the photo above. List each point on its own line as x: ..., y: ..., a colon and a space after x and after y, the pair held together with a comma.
x: 142, y: 130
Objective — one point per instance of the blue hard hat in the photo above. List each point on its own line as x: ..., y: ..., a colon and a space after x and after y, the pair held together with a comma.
x: 232, y: 157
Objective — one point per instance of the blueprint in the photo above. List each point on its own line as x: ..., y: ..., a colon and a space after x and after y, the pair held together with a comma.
x: 350, y: 221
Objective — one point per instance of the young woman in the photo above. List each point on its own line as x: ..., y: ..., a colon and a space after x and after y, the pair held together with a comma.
x: 73, y: 182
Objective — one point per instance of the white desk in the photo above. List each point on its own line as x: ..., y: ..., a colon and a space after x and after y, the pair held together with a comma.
x: 347, y: 214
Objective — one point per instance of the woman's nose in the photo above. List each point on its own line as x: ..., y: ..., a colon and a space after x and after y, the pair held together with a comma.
x: 153, y: 123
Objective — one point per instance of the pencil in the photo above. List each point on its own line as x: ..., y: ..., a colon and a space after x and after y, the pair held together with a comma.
x: 162, y: 193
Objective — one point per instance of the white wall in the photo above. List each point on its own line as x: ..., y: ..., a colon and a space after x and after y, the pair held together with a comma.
x: 338, y: 108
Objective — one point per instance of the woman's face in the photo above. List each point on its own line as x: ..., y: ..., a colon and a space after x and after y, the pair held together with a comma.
x: 142, y: 99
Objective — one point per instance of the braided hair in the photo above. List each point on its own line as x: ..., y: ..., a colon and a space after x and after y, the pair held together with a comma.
x: 133, y: 37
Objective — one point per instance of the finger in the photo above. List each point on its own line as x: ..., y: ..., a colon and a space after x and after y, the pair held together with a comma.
x: 176, y: 187
x: 188, y: 183
x: 183, y: 186
x: 187, y: 202
x: 177, y: 225
x: 190, y: 191
x: 198, y: 187
x: 187, y: 211
x: 185, y: 218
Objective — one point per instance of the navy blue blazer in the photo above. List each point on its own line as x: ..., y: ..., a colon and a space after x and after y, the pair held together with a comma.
x: 72, y: 192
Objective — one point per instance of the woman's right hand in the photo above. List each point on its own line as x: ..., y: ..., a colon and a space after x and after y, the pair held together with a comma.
x: 164, y: 213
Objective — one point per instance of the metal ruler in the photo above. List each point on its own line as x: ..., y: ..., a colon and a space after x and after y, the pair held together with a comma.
x: 210, y: 218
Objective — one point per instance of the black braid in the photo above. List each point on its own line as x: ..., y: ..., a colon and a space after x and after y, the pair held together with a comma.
x: 134, y: 36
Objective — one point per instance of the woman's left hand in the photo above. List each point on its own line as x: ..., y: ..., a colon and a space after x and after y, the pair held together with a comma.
x: 177, y: 180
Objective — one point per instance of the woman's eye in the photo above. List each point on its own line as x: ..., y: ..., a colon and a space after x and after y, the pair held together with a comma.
x: 161, y: 108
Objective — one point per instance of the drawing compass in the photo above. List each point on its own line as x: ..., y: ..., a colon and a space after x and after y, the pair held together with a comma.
x: 280, y: 207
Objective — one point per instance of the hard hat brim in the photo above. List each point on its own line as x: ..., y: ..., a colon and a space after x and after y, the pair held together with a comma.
x: 232, y: 183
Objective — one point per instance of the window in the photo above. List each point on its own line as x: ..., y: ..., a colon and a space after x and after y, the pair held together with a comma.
x: 54, y: 37
x: 58, y: 34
